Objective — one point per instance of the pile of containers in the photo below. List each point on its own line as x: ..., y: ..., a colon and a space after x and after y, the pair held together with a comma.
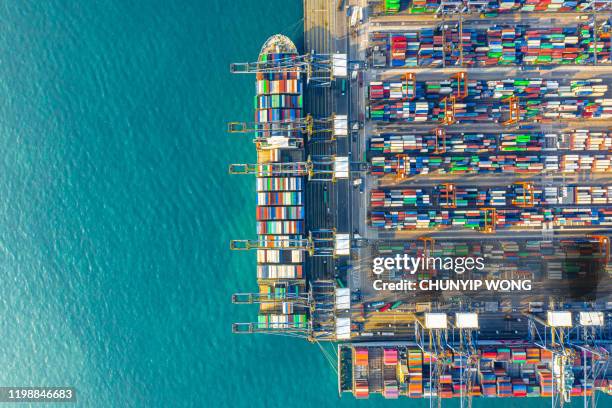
x: 511, y: 195
x: 398, y: 50
x: 278, y: 94
x: 399, y: 198
x: 391, y: 389
x: 415, y: 165
x: 361, y: 389
x: 427, y: 143
x: 504, y: 6
x: 545, y: 380
x: 504, y: 372
x: 478, y: 219
x: 587, y: 140
x: 531, y: 88
x: 530, y: 110
x: 522, y: 141
x: 392, y: 6
x: 500, y: 45
x: 281, y: 321
x: 415, y: 371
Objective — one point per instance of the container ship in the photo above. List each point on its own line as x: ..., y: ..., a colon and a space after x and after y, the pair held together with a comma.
x: 280, y: 197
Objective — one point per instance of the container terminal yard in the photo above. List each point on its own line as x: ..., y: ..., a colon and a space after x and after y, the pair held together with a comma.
x: 442, y: 129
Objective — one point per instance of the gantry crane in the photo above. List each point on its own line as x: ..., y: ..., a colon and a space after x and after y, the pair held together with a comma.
x: 604, y: 247
x: 448, y: 103
x: 440, y: 147
x: 410, y: 81
x: 446, y: 47
x: 528, y: 198
x: 462, y: 84
x: 552, y: 334
x: 400, y: 170
x: 466, y: 326
x: 318, y: 68
x: 431, y: 335
x: 490, y: 220
x: 428, y: 245
x: 317, y: 243
x: 295, y: 169
x: 428, y: 251
x: 514, y: 109
x: 316, y: 168
x: 450, y: 195
x: 291, y: 129
x: 259, y: 298
x: 589, y: 342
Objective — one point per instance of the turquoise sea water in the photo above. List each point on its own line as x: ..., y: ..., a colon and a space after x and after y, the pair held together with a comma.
x: 117, y: 207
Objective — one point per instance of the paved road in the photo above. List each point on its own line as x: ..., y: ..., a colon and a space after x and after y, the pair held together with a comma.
x: 318, y: 101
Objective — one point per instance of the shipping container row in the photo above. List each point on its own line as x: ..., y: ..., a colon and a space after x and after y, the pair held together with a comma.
x: 278, y: 101
x: 530, y: 110
x: 282, y: 256
x: 278, y: 241
x: 282, y: 321
x: 280, y: 271
x: 497, y: 45
x: 280, y: 213
x: 526, y: 141
x: 279, y: 290
x: 280, y: 227
x: 502, y: 218
x: 279, y: 184
x: 529, y: 88
x: 493, y: 7
x: 277, y: 114
x: 566, y: 163
x: 518, y: 371
x: 283, y: 86
x: 277, y: 66
x: 280, y: 198
x: 508, y: 259
x: 513, y: 195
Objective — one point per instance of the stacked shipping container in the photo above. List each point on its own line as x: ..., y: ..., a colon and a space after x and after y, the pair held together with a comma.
x: 521, y: 370
x: 567, y: 163
x: 479, y: 219
x: 503, y: 196
x: 499, y: 45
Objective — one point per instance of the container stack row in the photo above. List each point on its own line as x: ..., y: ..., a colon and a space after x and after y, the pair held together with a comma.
x: 507, y: 258
x: 511, y: 164
x: 503, y: 196
x: 281, y: 321
x: 278, y: 95
x: 522, y: 370
x: 499, y: 45
x: 280, y: 212
x: 530, y: 110
x: 530, y: 88
x: 495, y: 6
x: 479, y: 219
x: 525, y: 141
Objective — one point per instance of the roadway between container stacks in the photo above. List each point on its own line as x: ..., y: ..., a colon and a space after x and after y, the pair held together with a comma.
x: 317, y: 38
x: 468, y: 234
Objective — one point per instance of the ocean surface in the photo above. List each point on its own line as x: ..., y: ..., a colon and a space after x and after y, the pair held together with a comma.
x: 117, y: 208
